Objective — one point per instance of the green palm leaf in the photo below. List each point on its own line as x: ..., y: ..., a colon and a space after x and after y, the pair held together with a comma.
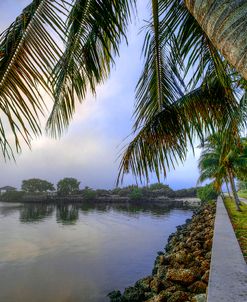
x: 95, y: 29
x: 28, y: 52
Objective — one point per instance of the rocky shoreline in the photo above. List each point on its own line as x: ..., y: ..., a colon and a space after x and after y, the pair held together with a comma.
x: 181, y: 272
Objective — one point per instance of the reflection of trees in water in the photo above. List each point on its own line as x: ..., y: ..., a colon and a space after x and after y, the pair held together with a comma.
x: 132, y: 209
x: 35, y: 212
x: 67, y: 213
x: 9, y: 209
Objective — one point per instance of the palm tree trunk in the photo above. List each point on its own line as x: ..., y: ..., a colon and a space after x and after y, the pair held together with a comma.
x: 227, y: 187
x: 234, y: 191
x: 225, y: 24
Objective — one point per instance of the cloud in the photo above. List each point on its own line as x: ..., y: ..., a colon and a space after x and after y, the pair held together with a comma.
x: 89, y: 148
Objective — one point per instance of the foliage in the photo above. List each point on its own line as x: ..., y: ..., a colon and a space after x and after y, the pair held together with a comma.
x: 168, y: 119
x: 89, y: 194
x: 158, y: 186
x: 89, y: 33
x: 155, y: 190
x: 222, y: 159
x: 12, y: 196
x: 36, y: 185
x: 239, y: 222
x: 242, y: 185
x: 191, y: 192
x: 243, y: 193
x: 207, y: 193
x: 136, y: 194
x: 68, y: 186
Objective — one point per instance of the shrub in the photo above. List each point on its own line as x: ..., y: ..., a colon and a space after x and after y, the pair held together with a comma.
x: 14, y: 196
x: 207, y: 193
x: 136, y: 194
x: 89, y: 194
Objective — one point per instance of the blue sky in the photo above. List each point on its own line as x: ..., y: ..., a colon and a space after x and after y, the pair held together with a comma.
x: 89, y: 149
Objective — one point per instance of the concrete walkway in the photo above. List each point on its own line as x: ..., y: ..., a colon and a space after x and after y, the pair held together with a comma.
x: 228, y: 271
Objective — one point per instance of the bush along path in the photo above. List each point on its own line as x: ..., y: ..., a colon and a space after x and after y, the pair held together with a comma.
x: 181, y: 272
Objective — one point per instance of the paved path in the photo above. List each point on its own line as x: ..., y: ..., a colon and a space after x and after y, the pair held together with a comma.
x: 228, y: 271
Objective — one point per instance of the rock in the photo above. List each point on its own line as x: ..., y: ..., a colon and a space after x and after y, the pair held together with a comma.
x: 178, y: 296
x: 199, y: 298
x: 115, y: 296
x: 161, y: 271
x: 184, y: 276
x: 208, y: 255
x: 156, y: 285
x: 162, y: 297
x: 133, y: 294
x: 144, y: 283
x: 205, y: 277
x: 208, y: 244
x: 181, y: 274
x: 180, y: 257
x: 205, y: 265
x: 198, y: 287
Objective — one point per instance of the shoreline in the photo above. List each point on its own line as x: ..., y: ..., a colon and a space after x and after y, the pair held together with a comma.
x: 160, y: 201
x: 181, y: 271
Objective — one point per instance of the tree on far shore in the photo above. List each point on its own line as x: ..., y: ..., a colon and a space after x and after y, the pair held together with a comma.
x: 33, y: 185
x: 67, y: 186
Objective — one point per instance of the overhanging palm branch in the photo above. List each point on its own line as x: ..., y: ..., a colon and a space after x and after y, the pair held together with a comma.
x: 95, y: 29
x: 165, y: 138
x: 210, y: 106
x: 28, y: 52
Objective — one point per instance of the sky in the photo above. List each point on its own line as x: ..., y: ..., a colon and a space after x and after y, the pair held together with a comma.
x: 89, y: 150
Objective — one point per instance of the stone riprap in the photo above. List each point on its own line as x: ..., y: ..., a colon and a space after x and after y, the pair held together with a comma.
x: 180, y: 273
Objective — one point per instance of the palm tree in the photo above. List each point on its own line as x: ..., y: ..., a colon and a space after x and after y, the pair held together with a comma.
x: 222, y: 160
x: 167, y: 118
x: 225, y: 25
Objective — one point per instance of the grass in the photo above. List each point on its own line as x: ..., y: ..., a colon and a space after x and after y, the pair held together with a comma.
x: 242, y: 193
x: 239, y: 222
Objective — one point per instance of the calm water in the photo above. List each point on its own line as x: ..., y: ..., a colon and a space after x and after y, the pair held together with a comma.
x: 78, y: 253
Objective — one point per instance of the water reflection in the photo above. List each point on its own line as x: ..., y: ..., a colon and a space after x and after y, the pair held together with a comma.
x: 110, y: 246
x: 30, y: 213
x: 67, y: 213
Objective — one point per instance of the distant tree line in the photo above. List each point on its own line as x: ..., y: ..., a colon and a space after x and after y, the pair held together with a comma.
x: 70, y: 186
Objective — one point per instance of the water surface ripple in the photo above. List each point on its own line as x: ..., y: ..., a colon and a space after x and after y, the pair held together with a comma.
x: 78, y: 253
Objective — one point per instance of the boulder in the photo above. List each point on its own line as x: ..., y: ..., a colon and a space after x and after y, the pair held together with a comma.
x: 199, y: 298
x: 198, y: 287
x: 178, y: 296
x: 133, y: 294
x: 156, y: 285
x: 184, y: 276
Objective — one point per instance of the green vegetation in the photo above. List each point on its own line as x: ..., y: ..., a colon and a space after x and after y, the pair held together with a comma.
x: 136, y: 194
x: 89, y: 194
x: 36, y: 185
x: 207, y: 193
x: 169, y: 113
x: 242, y: 185
x: 12, y: 196
x: 242, y: 193
x: 239, y: 222
x: 67, y: 186
x: 223, y: 159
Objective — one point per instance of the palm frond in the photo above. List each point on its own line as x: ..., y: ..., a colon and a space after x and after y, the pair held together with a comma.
x: 28, y: 51
x: 158, y: 85
x: 95, y: 29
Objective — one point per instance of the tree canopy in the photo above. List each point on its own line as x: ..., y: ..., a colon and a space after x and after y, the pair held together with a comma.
x: 33, y: 185
x: 68, y: 186
x: 187, y: 88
